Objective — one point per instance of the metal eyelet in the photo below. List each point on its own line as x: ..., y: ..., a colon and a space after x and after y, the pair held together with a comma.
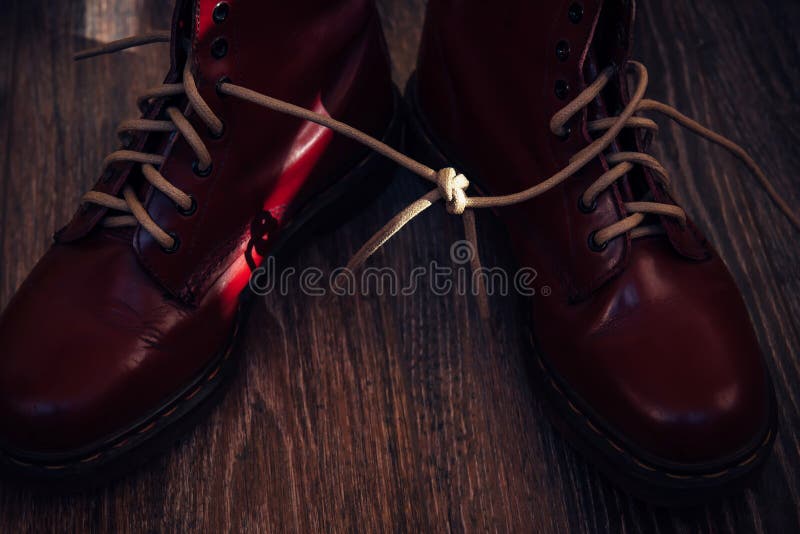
x: 219, y: 47
x: 219, y: 135
x: 594, y: 246
x: 218, y: 86
x: 566, y: 133
x: 175, y: 245
x: 561, y: 89
x: 220, y: 12
x: 190, y: 210
x: 584, y: 208
x: 202, y: 173
x: 562, y: 50
x: 622, y: 35
x: 127, y: 139
x: 575, y: 12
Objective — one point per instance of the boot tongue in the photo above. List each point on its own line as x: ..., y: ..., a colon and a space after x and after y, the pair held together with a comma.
x: 612, y: 37
x: 610, y: 44
x: 182, y: 28
x: 154, y: 142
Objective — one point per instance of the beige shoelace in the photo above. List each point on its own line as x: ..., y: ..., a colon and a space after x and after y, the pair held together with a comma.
x: 451, y: 186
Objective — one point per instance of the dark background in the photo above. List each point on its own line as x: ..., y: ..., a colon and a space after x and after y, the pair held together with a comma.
x: 409, y: 413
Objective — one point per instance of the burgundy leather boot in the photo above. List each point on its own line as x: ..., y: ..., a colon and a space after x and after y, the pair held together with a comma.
x: 645, y: 346
x: 122, y: 333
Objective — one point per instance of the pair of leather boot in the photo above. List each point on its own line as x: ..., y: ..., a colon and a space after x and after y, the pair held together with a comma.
x: 271, y: 112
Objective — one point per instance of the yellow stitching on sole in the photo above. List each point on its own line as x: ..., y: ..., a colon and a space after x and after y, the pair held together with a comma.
x: 148, y: 428
x: 596, y: 431
x: 716, y: 475
x: 193, y: 393
x: 589, y: 423
x: 215, y: 373
x: 640, y: 464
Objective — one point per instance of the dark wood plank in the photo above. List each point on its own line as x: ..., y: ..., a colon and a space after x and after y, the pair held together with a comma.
x: 409, y: 413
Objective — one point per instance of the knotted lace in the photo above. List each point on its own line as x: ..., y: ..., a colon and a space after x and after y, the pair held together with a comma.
x: 451, y: 186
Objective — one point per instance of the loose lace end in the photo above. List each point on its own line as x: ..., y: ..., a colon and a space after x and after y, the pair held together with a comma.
x: 122, y: 44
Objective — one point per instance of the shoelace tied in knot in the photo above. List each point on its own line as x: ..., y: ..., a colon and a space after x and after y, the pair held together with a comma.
x: 451, y: 186
x: 453, y: 189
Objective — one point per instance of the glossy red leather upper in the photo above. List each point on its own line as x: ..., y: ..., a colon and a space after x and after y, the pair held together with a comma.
x: 652, y: 333
x: 108, y: 324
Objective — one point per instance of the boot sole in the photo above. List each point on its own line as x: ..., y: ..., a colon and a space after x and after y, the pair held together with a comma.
x: 638, y: 473
x: 116, y: 456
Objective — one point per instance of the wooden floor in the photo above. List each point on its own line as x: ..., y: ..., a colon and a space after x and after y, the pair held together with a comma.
x: 409, y: 413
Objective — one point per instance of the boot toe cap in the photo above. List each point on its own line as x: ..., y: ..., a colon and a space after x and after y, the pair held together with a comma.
x: 688, y: 392
x: 91, y: 347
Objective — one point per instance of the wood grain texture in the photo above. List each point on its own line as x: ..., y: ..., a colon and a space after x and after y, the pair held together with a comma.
x: 409, y: 413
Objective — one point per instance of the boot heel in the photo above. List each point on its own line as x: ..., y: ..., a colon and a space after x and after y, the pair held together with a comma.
x: 350, y: 194
x: 418, y: 138
x: 365, y: 182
